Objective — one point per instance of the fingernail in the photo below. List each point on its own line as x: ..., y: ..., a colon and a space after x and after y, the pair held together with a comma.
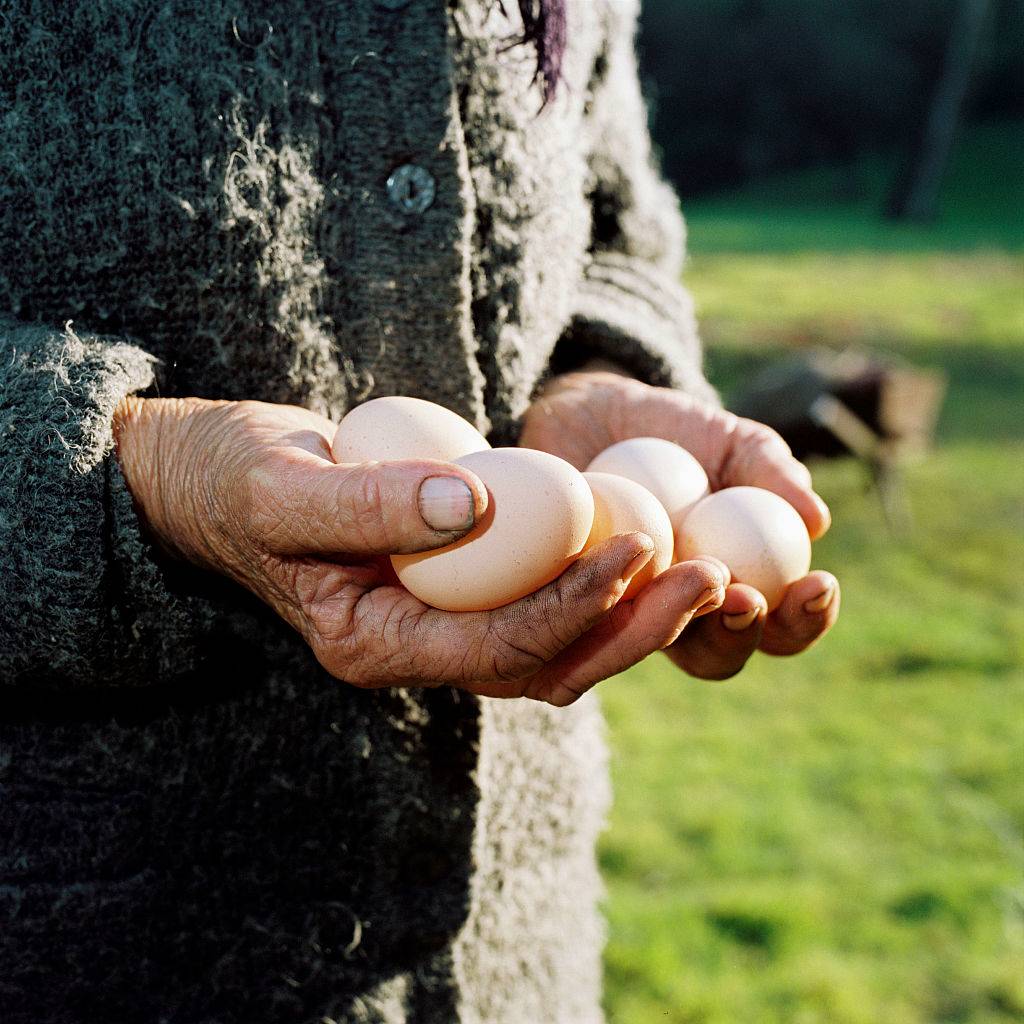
x: 712, y: 598
x: 708, y: 601
x: 446, y: 503
x: 743, y: 620
x: 821, y: 602
x: 637, y: 564
x: 826, y: 516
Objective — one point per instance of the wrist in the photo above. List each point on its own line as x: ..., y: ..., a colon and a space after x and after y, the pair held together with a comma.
x: 162, y: 453
x: 597, y: 375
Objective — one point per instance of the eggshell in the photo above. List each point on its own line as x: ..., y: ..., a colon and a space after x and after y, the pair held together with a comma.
x: 668, y: 471
x: 398, y: 427
x: 759, y: 535
x: 539, y: 514
x: 622, y: 506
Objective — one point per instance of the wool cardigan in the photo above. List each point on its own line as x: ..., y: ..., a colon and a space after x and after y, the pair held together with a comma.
x: 197, y: 824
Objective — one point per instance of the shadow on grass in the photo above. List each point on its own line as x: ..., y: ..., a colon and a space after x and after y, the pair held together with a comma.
x: 745, y: 929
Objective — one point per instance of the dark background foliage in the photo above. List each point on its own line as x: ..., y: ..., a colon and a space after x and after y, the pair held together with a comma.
x: 744, y: 88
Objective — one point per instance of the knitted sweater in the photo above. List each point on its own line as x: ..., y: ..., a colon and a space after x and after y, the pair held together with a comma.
x: 196, y: 823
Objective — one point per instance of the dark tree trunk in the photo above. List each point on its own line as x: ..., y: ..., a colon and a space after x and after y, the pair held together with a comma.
x: 915, y: 195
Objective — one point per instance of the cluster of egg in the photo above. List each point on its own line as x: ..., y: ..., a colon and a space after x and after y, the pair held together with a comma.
x: 542, y: 513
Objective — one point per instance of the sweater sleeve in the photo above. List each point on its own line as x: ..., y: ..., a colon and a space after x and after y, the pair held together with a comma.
x: 631, y: 306
x: 86, y: 600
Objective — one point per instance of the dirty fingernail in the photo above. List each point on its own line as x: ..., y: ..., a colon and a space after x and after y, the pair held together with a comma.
x: 637, y: 564
x: 446, y: 503
x: 821, y: 602
x: 708, y: 601
x: 741, y: 621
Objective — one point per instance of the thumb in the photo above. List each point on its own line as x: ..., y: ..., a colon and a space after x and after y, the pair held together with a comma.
x: 374, y: 508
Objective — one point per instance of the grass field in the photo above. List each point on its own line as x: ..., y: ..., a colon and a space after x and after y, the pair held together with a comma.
x: 839, y: 838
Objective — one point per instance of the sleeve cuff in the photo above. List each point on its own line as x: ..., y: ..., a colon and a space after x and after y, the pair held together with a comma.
x: 86, y: 602
x: 629, y: 313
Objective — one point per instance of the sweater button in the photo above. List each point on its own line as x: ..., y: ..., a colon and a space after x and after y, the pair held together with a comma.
x: 411, y: 188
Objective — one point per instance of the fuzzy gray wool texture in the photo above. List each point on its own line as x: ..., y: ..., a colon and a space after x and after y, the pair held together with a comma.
x: 197, y: 825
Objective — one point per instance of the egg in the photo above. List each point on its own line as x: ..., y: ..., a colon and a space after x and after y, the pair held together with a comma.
x: 399, y: 427
x: 539, y: 515
x: 759, y: 536
x: 669, y: 472
x: 623, y: 506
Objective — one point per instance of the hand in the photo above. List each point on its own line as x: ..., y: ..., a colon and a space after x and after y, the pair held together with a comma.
x: 581, y: 414
x: 250, y: 490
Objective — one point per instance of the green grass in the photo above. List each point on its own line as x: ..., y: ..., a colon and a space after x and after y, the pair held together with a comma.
x: 839, y: 838
x: 836, y: 209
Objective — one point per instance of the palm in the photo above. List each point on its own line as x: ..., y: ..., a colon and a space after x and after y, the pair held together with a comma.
x: 585, y: 413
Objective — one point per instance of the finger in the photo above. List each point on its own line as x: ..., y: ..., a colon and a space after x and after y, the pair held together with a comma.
x: 523, y: 637
x: 392, y: 638
x: 808, y: 611
x: 759, y: 457
x: 717, y: 646
x: 633, y: 630
x: 311, y: 506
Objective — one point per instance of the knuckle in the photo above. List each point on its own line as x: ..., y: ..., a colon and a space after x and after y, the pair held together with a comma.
x: 342, y: 660
x: 551, y: 629
x: 365, y: 509
x: 369, y: 499
x: 561, y: 696
x: 543, y: 625
x: 774, y: 444
x: 329, y: 619
x: 585, y: 599
x: 707, y: 577
x: 509, y: 658
x: 369, y: 644
x: 704, y: 582
x: 762, y: 434
x: 577, y: 605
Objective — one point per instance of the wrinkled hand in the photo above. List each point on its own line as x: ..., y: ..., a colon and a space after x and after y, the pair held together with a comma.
x: 250, y: 490
x: 581, y: 414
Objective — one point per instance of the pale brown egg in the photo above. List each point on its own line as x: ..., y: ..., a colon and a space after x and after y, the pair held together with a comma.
x: 539, y: 514
x: 623, y: 506
x: 668, y: 471
x: 759, y: 536
x: 397, y: 427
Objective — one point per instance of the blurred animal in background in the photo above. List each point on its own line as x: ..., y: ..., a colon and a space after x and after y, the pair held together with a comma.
x: 831, y: 404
